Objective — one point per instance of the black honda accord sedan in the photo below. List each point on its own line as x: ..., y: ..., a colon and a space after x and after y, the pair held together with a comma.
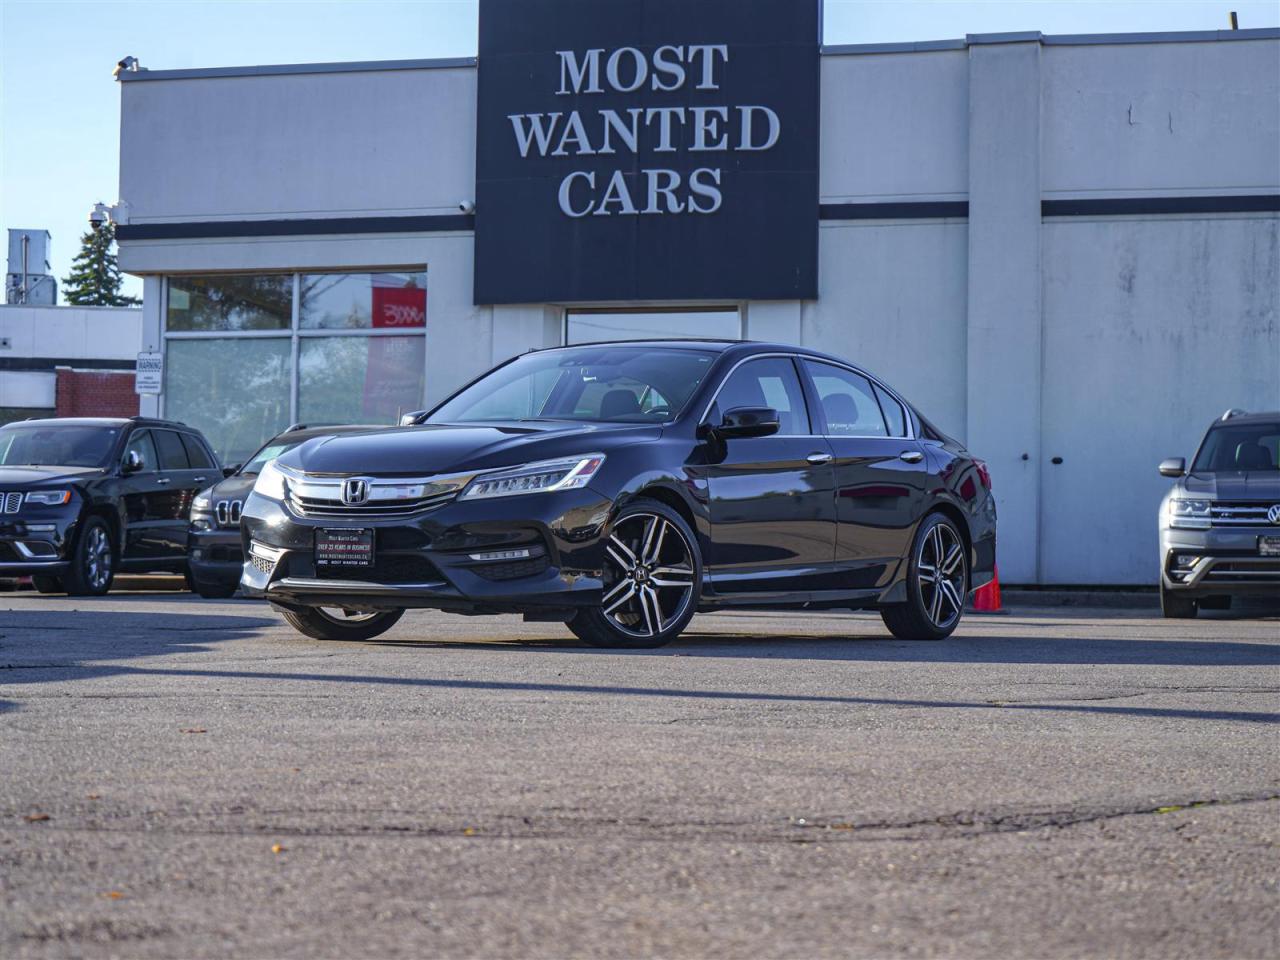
x: 622, y: 487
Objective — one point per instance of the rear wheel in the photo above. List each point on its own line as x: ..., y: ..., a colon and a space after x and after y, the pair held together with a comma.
x: 1175, y: 607
x: 93, y: 565
x: 652, y: 578
x: 334, y: 623
x: 47, y: 585
x: 937, y: 583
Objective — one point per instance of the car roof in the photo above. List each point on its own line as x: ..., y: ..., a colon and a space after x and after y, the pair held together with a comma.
x: 1246, y: 419
x: 105, y: 422
x: 709, y: 343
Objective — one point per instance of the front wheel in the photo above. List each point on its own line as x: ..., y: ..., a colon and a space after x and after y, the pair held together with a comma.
x: 652, y: 579
x: 326, y: 623
x: 92, y: 565
x: 1176, y: 607
x: 937, y: 583
x: 214, y: 591
x: 45, y: 584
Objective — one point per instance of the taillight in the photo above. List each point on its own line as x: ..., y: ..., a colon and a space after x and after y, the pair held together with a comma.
x: 983, y: 473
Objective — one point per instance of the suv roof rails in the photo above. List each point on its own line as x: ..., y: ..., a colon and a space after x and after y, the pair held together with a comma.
x: 1234, y: 412
x: 156, y: 420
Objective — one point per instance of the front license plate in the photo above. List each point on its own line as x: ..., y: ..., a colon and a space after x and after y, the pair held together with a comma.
x: 344, y: 547
x: 1269, y: 546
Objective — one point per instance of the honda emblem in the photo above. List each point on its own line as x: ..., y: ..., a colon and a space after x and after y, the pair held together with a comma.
x: 355, y: 491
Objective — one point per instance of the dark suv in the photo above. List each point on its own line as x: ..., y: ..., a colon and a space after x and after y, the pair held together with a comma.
x: 214, y: 556
x: 1220, y: 524
x: 83, y: 498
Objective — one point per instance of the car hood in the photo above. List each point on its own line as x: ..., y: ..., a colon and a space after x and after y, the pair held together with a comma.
x: 235, y: 487
x: 14, y: 478
x: 1234, y: 485
x: 431, y: 449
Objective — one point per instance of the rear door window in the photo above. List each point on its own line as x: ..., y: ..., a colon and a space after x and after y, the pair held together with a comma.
x: 848, y: 403
x: 197, y: 455
x: 173, y: 455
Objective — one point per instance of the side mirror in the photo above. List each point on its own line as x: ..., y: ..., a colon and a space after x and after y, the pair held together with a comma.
x: 1173, y: 467
x: 749, y: 422
x: 132, y: 462
x: 228, y: 471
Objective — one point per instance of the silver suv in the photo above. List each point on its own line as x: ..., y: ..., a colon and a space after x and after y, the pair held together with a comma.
x: 1220, y: 524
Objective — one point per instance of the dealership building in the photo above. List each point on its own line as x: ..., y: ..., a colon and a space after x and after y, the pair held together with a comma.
x: 1065, y: 250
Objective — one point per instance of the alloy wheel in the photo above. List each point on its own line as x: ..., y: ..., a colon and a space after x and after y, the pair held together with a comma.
x: 97, y: 558
x: 941, y: 569
x: 343, y: 616
x: 649, y: 575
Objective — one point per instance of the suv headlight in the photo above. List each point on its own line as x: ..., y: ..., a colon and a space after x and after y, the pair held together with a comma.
x: 542, y: 477
x: 271, y: 481
x: 50, y: 498
x: 1189, y: 514
x: 203, y: 502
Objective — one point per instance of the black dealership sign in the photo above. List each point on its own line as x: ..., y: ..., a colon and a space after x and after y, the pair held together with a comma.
x: 647, y: 150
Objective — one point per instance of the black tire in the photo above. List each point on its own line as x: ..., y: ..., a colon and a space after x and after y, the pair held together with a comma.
x: 319, y: 624
x: 652, y: 580
x: 48, y: 584
x: 1175, y: 607
x: 93, y: 561
x: 214, y: 591
x: 932, y: 611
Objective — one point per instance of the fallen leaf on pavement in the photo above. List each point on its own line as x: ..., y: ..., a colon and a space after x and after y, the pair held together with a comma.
x: 113, y: 895
x: 277, y: 848
x: 37, y: 817
x: 195, y: 730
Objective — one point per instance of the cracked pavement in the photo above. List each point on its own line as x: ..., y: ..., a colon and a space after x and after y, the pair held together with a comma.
x: 188, y: 778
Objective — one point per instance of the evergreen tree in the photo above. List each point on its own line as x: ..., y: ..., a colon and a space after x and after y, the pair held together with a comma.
x: 95, y: 279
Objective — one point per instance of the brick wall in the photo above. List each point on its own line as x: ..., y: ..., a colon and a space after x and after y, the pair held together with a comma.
x: 93, y: 393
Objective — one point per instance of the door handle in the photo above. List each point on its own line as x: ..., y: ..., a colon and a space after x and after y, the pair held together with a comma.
x: 199, y: 479
x: 164, y: 480
x: 816, y: 458
x: 911, y: 456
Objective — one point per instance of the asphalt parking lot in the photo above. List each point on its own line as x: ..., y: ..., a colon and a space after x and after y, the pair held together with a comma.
x: 187, y: 778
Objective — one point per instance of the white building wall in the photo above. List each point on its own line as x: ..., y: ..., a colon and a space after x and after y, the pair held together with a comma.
x: 371, y: 143
x: 39, y: 335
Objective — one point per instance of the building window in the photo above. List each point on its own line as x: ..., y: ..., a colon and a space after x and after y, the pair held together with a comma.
x: 248, y: 354
x: 588, y: 326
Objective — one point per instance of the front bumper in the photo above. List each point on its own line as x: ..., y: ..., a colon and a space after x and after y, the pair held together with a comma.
x: 1227, y: 562
x: 427, y: 560
x: 36, y: 545
x: 215, y: 554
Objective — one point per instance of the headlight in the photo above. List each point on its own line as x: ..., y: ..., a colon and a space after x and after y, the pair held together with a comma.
x: 271, y: 481
x: 542, y: 477
x: 1189, y: 514
x: 50, y: 498
x: 203, y: 503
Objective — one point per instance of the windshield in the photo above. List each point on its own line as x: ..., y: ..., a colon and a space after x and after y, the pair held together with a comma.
x: 1247, y: 446
x: 61, y: 445
x: 614, y: 384
x: 269, y: 452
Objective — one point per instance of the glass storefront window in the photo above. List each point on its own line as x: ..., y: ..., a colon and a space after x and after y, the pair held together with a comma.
x: 359, y: 379
x: 231, y: 302
x: 585, y: 326
x: 363, y: 301
x: 234, y: 390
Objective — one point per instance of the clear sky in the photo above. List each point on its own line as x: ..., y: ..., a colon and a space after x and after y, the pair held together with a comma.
x: 60, y: 108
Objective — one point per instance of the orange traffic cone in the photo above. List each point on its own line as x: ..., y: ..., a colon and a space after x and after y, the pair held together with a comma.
x: 986, y: 599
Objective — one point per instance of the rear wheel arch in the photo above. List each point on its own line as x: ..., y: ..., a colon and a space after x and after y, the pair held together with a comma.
x: 957, y: 517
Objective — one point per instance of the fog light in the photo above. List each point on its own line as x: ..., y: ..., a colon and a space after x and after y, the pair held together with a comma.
x: 41, y: 527
x: 1187, y: 560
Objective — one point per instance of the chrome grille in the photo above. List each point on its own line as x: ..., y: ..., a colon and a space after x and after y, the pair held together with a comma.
x: 327, y: 509
x: 11, y: 502
x: 227, y: 512
x: 1239, y: 514
x: 378, y: 498
x: 262, y: 565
